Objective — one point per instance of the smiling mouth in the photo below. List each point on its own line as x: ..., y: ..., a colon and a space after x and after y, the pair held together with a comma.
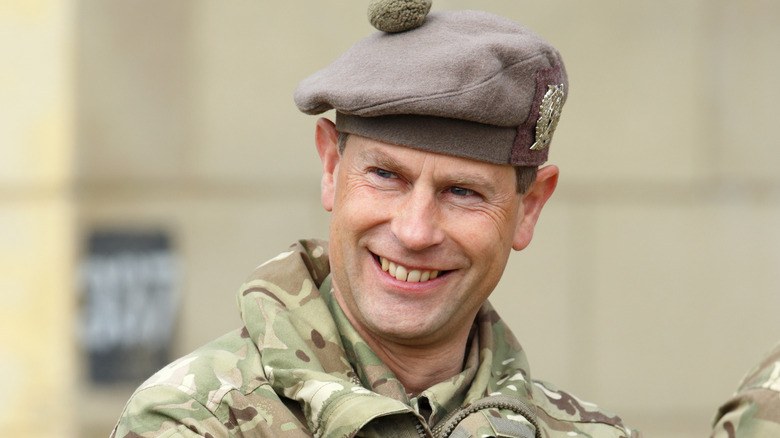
x: 402, y: 273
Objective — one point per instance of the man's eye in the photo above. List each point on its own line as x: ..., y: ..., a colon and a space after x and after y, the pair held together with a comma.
x: 382, y: 173
x: 460, y: 191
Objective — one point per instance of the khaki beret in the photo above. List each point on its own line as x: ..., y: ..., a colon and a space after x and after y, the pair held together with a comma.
x: 464, y: 83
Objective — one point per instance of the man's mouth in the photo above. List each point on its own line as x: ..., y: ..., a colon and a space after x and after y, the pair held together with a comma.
x: 402, y: 273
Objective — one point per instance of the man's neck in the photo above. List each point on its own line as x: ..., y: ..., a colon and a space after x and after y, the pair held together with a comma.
x: 417, y: 365
x: 420, y: 367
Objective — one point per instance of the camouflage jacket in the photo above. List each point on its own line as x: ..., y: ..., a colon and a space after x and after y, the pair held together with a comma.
x: 754, y: 410
x: 298, y: 368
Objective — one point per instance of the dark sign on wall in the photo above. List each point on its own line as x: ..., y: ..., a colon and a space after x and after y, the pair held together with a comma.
x: 129, y: 304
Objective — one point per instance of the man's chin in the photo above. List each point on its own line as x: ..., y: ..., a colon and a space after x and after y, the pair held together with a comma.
x: 405, y: 330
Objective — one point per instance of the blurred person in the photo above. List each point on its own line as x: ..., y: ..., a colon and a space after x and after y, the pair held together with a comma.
x: 754, y: 410
x: 432, y: 175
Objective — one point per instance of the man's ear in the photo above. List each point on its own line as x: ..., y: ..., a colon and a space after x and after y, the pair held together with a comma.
x: 533, y: 201
x: 327, y: 140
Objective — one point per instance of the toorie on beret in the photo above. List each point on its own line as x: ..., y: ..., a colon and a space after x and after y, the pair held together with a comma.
x: 464, y: 83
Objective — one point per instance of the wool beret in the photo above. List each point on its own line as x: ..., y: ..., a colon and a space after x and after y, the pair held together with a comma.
x: 464, y: 83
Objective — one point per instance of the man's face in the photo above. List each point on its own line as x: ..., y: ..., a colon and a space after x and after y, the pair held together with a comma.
x: 444, y: 226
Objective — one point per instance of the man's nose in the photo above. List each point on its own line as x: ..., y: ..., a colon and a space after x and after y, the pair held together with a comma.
x: 417, y: 222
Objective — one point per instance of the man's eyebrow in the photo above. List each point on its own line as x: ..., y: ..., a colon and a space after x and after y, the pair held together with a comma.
x: 381, y: 159
x: 473, y: 181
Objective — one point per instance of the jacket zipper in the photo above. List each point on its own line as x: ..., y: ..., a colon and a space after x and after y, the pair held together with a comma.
x: 448, y: 425
x: 421, y: 430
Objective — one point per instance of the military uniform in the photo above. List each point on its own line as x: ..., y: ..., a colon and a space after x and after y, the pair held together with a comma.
x: 754, y: 410
x: 298, y: 368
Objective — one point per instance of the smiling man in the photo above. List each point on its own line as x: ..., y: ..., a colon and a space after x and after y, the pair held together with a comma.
x: 431, y: 174
x: 418, y: 242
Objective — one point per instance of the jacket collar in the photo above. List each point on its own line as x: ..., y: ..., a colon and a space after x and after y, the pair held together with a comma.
x: 312, y: 354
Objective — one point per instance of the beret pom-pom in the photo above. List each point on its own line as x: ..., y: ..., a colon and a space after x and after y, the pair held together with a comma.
x: 397, y: 15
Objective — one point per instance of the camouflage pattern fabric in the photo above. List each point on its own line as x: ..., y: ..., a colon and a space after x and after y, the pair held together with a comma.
x: 298, y: 368
x: 754, y: 410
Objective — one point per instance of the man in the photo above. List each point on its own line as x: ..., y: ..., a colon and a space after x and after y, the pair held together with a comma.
x: 430, y: 173
x: 754, y: 410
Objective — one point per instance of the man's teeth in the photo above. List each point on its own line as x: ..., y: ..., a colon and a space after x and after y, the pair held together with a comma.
x: 404, y: 274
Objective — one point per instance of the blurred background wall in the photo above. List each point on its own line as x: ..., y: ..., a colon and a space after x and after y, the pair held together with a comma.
x: 652, y: 283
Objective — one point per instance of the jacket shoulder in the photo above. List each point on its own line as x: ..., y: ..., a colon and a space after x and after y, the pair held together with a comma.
x: 229, y: 362
x: 754, y: 410
x: 217, y: 390
x: 562, y: 413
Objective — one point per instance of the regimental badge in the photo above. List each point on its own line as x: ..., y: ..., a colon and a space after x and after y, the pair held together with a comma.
x: 549, y: 114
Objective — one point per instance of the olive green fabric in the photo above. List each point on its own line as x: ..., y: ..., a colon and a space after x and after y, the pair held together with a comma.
x: 754, y: 410
x: 397, y: 15
x: 298, y: 368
